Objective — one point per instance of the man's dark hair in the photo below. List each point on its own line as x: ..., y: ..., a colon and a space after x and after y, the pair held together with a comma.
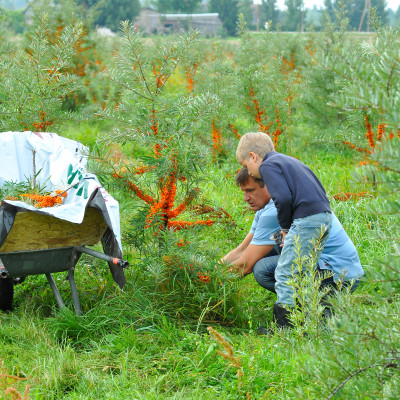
x: 243, y: 176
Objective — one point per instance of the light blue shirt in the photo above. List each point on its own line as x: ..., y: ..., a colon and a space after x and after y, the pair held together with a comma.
x: 264, y: 225
x: 339, y: 254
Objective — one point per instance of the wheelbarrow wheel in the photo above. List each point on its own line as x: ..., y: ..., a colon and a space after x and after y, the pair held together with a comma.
x: 6, y: 294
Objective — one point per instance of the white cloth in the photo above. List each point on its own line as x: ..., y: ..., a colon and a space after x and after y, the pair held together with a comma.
x: 59, y: 164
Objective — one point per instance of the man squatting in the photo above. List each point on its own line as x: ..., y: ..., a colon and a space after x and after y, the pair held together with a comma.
x: 259, y: 254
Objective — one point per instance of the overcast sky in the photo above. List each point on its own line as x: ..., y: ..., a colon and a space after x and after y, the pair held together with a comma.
x: 393, y: 4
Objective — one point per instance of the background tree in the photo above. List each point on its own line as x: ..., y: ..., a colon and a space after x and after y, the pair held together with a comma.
x: 182, y: 6
x: 228, y: 11
x: 15, y: 20
x: 40, y: 77
x: 396, y: 21
x: 13, y: 4
x: 245, y: 8
x: 63, y: 11
x: 329, y: 9
x: 314, y: 20
x: 112, y: 12
x: 270, y: 12
x: 88, y: 59
x: 295, y: 15
x: 354, y: 10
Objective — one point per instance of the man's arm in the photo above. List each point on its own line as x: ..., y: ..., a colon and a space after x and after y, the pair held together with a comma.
x: 244, y: 265
x: 235, y: 254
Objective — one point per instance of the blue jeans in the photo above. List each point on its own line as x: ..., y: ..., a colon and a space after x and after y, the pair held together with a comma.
x: 279, y: 268
x: 264, y: 274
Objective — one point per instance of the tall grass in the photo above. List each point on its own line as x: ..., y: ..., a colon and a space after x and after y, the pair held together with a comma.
x: 150, y: 340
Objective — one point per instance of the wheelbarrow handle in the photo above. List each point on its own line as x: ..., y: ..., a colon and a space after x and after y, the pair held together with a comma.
x: 116, y: 261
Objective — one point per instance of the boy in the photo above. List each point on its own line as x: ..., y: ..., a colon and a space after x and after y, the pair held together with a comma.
x: 304, y: 213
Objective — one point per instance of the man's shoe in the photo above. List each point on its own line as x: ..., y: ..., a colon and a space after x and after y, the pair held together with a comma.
x: 281, y: 316
x: 328, y: 310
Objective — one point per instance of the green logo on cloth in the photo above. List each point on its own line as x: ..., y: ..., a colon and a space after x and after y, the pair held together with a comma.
x: 78, y: 175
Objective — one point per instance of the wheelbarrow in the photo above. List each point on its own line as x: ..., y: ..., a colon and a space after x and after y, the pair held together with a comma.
x: 42, y: 244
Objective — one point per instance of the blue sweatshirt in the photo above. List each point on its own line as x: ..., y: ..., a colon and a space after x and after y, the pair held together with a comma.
x: 296, y: 191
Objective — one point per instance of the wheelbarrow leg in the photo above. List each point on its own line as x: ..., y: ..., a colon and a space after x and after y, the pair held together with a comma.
x: 74, y: 291
x: 54, y: 288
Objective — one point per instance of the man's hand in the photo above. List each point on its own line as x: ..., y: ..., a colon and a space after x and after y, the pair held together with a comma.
x: 228, y: 267
x: 221, y: 263
x: 234, y: 269
x: 283, y: 238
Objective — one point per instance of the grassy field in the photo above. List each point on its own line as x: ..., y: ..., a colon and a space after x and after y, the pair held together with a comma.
x: 146, y: 342
x: 169, y: 334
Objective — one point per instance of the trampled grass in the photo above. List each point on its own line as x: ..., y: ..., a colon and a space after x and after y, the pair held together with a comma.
x: 150, y: 341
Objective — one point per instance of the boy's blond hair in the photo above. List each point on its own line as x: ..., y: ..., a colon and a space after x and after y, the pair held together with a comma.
x: 256, y: 142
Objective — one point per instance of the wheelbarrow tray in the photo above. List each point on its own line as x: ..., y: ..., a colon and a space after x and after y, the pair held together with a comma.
x: 34, y: 262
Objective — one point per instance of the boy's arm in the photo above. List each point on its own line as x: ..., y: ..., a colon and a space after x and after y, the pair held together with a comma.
x: 239, y: 251
x: 244, y: 265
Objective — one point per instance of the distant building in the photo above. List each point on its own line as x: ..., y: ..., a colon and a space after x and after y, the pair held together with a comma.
x: 150, y: 21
